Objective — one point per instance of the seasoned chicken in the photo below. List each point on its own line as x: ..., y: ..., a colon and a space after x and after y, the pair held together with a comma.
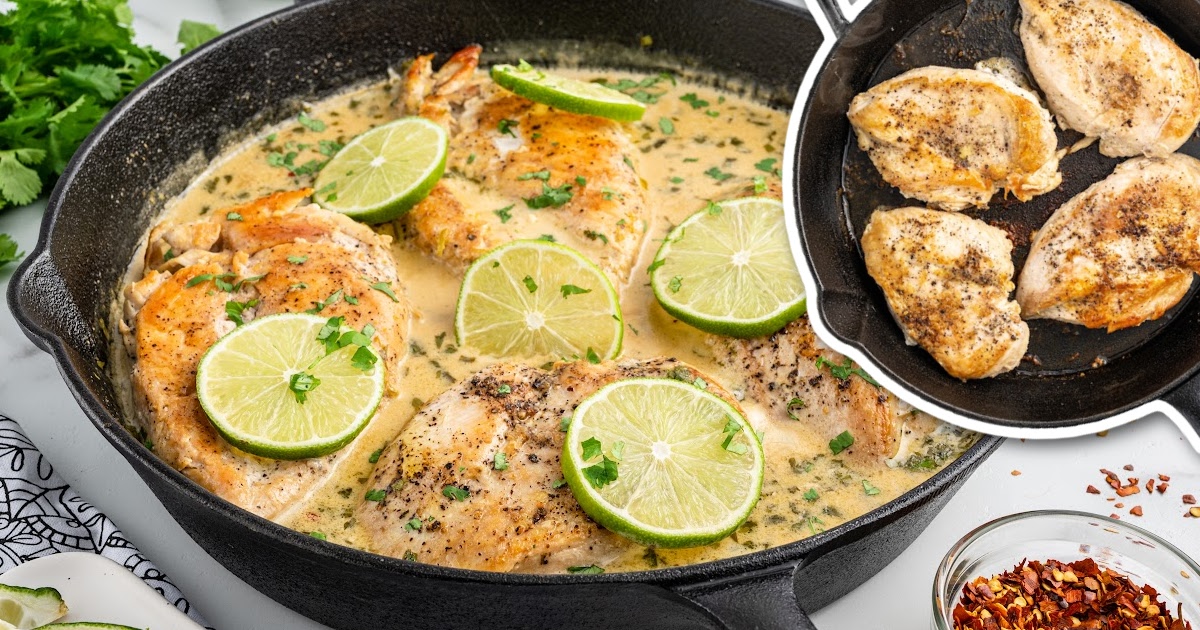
x: 954, y: 137
x: 1122, y: 251
x: 782, y: 373
x: 509, y: 154
x: 947, y: 279
x: 519, y: 518
x: 274, y: 256
x: 1108, y: 72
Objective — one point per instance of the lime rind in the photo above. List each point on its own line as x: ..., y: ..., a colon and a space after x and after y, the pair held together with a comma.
x: 382, y: 173
x: 85, y: 625
x: 569, y: 95
x: 242, y: 383
x: 698, y: 495
x: 730, y: 272
x: 496, y: 310
x: 22, y: 607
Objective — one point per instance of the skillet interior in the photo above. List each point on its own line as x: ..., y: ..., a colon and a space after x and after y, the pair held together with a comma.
x: 1079, y: 374
x: 188, y: 113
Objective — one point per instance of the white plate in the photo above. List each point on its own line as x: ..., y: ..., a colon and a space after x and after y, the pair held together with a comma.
x: 100, y: 590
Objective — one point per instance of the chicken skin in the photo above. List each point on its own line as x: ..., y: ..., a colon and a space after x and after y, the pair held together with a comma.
x: 954, y: 137
x: 271, y: 255
x: 1108, y: 72
x: 1122, y: 251
x: 947, y: 279
x: 442, y: 493
x: 520, y: 169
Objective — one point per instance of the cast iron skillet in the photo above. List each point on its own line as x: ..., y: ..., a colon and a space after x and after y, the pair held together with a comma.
x: 107, y: 198
x: 1083, y: 380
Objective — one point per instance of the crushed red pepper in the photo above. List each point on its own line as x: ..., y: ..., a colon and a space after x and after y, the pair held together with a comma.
x: 1054, y: 594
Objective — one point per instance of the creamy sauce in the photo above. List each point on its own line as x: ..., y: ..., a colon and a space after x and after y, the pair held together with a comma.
x: 697, y: 144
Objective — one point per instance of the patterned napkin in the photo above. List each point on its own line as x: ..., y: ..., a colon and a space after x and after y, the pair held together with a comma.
x: 41, y: 515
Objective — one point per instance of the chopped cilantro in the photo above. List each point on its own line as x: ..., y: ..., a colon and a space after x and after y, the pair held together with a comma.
x: 676, y: 180
x: 731, y: 431
x: 718, y: 174
x: 549, y: 238
x: 504, y: 213
x: 551, y: 197
x: 811, y: 495
x: 596, y: 236
x: 869, y: 489
x: 696, y: 102
x: 666, y: 126
x: 500, y: 461
x: 794, y: 405
x: 570, y: 289
x: 845, y: 370
x: 297, y: 260
x: 543, y: 175
x: 301, y: 383
x: 505, y: 127
x: 713, y: 208
x: 375, y: 495
x: 592, y: 357
x: 591, y: 569
x: 234, y: 309
x: 842, y: 442
x: 456, y: 493
x: 767, y: 166
x: 233, y: 216
x: 311, y: 123
x: 414, y: 524
x: 760, y: 184
x: 333, y: 298
x: 675, y: 284
x: 386, y: 289
x: 530, y: 284
x: 375, y: 455
x: 504, y: 389
x: 582, y: 181
x: 318, y: 535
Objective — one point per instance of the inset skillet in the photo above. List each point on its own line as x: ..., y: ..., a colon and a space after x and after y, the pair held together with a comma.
x: 1075, y: 381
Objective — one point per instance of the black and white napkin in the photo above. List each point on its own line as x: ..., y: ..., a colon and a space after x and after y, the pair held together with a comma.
x: 41, y: 515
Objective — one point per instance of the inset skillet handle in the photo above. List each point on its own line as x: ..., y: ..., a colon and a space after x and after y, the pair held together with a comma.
x: 37, y: 297
x: 766, y: 601
x: 1183, y: 407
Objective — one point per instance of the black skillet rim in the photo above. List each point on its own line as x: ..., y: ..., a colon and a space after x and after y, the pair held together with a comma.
x: 133, y: 451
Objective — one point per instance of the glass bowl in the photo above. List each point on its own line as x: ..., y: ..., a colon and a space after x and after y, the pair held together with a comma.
x: 1067, y: 536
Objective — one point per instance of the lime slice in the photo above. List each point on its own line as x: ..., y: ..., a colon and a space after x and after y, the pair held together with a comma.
x: 29, y: 607
x: 688, y: 466
x: 85, y: 625
x: 728, y: 270
x: 535, y: 299
x: 569, y: 95
x: 384, y: 172
x: 252, y: 381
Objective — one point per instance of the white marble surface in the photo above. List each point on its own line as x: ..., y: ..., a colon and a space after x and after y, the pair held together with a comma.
x: 1054, y: 475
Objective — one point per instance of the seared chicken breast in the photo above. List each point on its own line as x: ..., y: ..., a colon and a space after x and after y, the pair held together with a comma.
x: 1122, y: 251
x: 273, y: 256
x: 1108, y: 72
x: 947, y: 279
x: 520, y: 169
x: 442, y: 497
x: 955, y: 137
x: 781, y: 372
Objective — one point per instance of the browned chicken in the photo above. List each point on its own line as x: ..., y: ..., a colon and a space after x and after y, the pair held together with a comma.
x: 1122, y: 251
x: 271, y: 255
x: 509, y: 154
x: 1108, y: 72
x: 444, y: 499
x: 782, y: 373
x: 955, y: 137
x: 947, y: 279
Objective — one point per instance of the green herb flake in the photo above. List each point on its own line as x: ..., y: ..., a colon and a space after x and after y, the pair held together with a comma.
x: 718, y: 174
x: 410, y: 556
x: 311, y: 123
x: 551, y: 197
x: 564, y: 423
x: 845, y: 370
x: 656, y: 264
x: 675, y: 284
x: 666, y: 126
x: 570, y: 289
x: 558, y: 484
x: 333, y: 298
x: 504, y: 213
x: 414, y: 524
x: 843, y: 441
x: 595, y: 236
x: 234, y: 309
x: 591, y: 569
x: 601, y: 474
x: 505, y: 127
x: 582, y: 181
x: 713, y: 208
x: 543, y: 175
x: 676, y: 180
x: 374, y: 458
x: 297, y: 260
x: 386, y: 289
x: 811, y: 495
x: 375, y: 495
x: 794, y: 405
x: 767, y: 166
x: 869, y: 489
x: 696, y: 102
x: 500, y: 461
x: 592, y: 357
x: 471, y: 159
x: 592, y: 448
x: 530, y: 284
x: 760, y: 184
x: 456, y: 493
x: 504, y: 389
x: 233, y: 216
x: 549, y: 238
x: 731, y: 431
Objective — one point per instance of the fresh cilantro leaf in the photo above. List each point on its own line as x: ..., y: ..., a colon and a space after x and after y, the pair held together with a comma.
x: 310, y: 123
x: 192, y: 34
x: 297, y: 260
x: 811, y: 495
x: 696, y: 102
x: 845, y: 370
x: 675, y: 284
x: 549, y: 238
x: 530, y: 284
x: 551, y: 197
x: 676, y: 180
x: 102, y: 82
x: 767, y: 165
x: 794, y: 405
x: 375, y: 495
x: 581, y: 180
x: 204, y: 277
x: 713, y: 208
x: 363, y: 359
x: 666, y: 126
x: 601, y: 474
x: 318, y: 535
x: 596, y: 236
x: 570, y: 289
x: 333, y: 298
x: 504, y: 389
x: 386, y: 289
x: 301, y: 383
x: 456, y: 493
x: 410, y: 555
x: 591, y: 448
x: 591, y: 569
x: 543, y: 175
x: 843, y: 441
x: 869, y: 489
x: 718, y: 174
x: 500, y: 461
x: 19, y: 184
x: 558, y: 484
x: 505, y: 127
x: 328, y: 148
x: 233, y: 216
x: 760, y: 184
x: 731, y: 431
x: 504, y: 213
x: 592, y: 357
x: 8, y: 250
x: 375, y: 454
x: 234, y: 309
x: 618, y: 450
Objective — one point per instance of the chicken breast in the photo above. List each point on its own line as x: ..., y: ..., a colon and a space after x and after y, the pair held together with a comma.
x: 947, y: 279
x: 955, y: 137
x: 519, y: 518
x: 801, y: 381
x: 519, y: 169
x: 273, y: 256
x: 1122, y: 251
x: 1108, y: 72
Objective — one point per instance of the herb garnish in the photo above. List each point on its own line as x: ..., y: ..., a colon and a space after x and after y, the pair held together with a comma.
x: 233, y: 216
x: 375, y: 455
x: 596, y: 236
x: 675, y: 284
x: 456, y: 493
x: 602, y: 473
x: 375, y: 495
x: 551, y: 197
x: 811, y: 495
x: 591, y: 569
x: 301, y: 383
x: 386, y: 289
x: 333, y: 298
x: 505, y: 127
x: 234, y: 309
x: 718, y: 174
x: 760, y: 184
x: 696, y: 102
x: 504, y: 213
x: 414, y: 524
x: 592, y: 357
x: 843, y: 371
x: 500, y: 461
x: 869, y: 489
x: 794, y: 405
x: 318, y: 535
x: 311, y: 123
x: 530, y: 284
x: 297, y: 260
x: 570, y: 289
x: 666, y: 126
x: 731, y: 430
x: 767, y: 166
x: 843, y: 441
x: 543, y: 175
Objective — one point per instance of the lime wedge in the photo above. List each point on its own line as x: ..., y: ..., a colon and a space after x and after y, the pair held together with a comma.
x: 271, y: 389
x: 85, y: 625
x: 29, y: 607
x: 384, y: 172
x: 688, y: 467
x: 728, y: 270
x: 537, y: 299
x: 569, y: 95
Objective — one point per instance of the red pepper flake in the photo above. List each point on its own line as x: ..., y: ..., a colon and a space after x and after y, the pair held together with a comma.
x: 1115, y: 516
x: 1149, y: 486
x: 1162, y: 488
x: 1163, y: 478
x: 1092, y: 490
x: 1111, y: 478
x: 1128, y: 466
x: 1136, y: 511
x: 1128, y: 490
x: 1042, y: 596
x: 1119, y: 505
x: 1015, y: 473
x: 1189, y: 499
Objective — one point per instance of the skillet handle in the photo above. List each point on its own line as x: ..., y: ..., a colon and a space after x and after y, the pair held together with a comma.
x: 766, y: 601
x: 833, y: 14
x: 1183, y: 407
x: 35, y: 293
